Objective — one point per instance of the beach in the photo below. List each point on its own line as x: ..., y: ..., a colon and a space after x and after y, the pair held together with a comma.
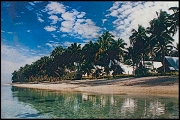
x: 156, y: 85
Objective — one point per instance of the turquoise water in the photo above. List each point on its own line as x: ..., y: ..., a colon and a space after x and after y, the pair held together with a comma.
x: 33, y: 103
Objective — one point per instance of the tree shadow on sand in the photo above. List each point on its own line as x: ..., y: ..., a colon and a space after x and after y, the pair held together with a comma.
x: 161, y: 81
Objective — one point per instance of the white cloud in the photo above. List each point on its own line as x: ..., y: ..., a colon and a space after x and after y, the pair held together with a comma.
x: 103, y: 20
x: 10, y: 32
x: 66, y: 43
x: 68, y: 16
x: 52, y: 44
x: 72, y: 22
x: 63, y: 35
x: 86, y: 30
x: 18, y: 23
x: 54, y: 19
x: 54, y: 36
x: 81, y: 15
x: 76, y: 13
x: 29, y: 7
x: 38, y: 1
x: 129, y: 14
x: 40, y: 20
x: 55, y: 8
x: 77, y: 27
x: 64, y: 29
x: 28, y: 30
x: 38, y: 46
x: 31, y: 3
x: 12, y: 59
x: 114, y: 13
x: 115, y: 5
x: 50, y: 28
x: 80, y: 21
x: 66, y: 26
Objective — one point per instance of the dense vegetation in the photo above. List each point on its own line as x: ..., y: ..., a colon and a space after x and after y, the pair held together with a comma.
x: 152, y: 43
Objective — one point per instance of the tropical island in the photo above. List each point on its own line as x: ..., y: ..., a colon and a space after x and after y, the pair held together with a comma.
x: 97, y: 66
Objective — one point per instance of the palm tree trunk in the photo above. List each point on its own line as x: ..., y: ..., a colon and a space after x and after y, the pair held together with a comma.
x: 153, y: 65
x: 143, y: 66
x: 163, y: 59
x: 133, y: 70
x: 143, y: 60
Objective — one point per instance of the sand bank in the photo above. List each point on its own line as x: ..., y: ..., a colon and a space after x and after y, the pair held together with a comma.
x: 161, y: 86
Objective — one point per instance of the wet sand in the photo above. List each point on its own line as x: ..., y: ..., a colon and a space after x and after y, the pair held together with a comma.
x: 160, y: 86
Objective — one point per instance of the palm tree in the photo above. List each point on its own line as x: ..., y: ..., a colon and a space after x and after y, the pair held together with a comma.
x: 174, y: 20
x: 88, y: 57
x: 138, y: 41
x: 177, y: 46
x: 175, y: 53
x: 102, y: 56
x: 15, y: 76
x: 105, y: 41
x: 132, y: 57
x: 118, y: 47
x: 74, y: 52
x: 57, y: 51
x: 160, y: 35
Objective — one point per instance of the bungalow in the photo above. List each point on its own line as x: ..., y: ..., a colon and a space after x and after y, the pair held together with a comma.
x: 171, y: 64
x: 152, y: 65
x: 126, y: 69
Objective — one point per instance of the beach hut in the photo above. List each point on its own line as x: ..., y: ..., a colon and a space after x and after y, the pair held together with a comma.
x: 171, y: 64
x: 125, y: 69
x: 152, y: 65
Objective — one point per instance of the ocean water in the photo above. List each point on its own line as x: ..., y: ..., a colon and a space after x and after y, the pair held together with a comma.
x: 32, y: 103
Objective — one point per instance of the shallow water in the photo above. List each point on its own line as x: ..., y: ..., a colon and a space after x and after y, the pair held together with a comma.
x: 32, y: 103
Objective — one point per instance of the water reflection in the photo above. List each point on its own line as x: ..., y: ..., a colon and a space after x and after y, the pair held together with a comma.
x: 86, y: 105
x: 156, y: 108
x: 128, y: 106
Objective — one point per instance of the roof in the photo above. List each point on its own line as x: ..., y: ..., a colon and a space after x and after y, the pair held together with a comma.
x: 173, y: 61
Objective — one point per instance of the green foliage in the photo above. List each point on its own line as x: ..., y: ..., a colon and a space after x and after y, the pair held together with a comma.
x: 142, y: 72
x: 123, y: 76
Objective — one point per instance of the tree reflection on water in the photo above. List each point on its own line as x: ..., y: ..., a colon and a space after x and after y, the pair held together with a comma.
x: 88, y: 105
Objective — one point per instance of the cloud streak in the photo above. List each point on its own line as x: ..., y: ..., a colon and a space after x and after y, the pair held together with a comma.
x: 55, y: 8
x: 129, y: 14
x: 52, y: 44
x: 50, y: 28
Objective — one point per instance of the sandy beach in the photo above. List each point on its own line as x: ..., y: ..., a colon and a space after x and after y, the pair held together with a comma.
x: 158, y: 85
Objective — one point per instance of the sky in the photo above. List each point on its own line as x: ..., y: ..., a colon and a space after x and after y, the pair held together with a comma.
x: 32, y: 29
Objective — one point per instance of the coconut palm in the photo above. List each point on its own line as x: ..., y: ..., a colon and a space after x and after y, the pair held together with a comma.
x: 174, y: 20
x: 15, y: 76
x: 57, y: 51
x: 177, y: 46
x: 160, y: 35
x: 103, y: 56
x: 138, y: 41
x: 175, y: 51
x: 119, y: 50
x: 88, y: 57
x: 73, y: 54
x: 132, y: 58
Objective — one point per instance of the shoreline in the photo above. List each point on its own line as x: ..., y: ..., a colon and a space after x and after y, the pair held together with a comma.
x: 156, y: 86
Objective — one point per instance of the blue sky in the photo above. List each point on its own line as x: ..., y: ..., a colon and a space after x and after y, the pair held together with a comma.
x: 30, y: 30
